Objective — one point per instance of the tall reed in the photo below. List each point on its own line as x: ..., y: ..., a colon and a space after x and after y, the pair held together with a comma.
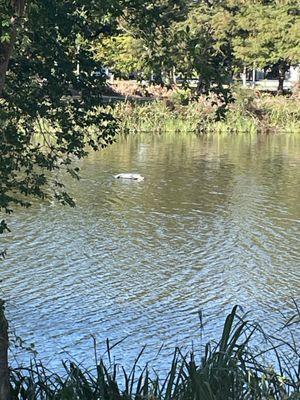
x: 228, y: 370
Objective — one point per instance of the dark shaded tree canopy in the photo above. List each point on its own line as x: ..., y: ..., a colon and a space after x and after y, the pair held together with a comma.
x: 50, y: 96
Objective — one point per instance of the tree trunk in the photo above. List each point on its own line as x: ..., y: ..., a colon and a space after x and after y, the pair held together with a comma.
x: 6, y: 48
x: 199, y: 88
x: 5, y: 54
x: 157, y: 78
x: 202, y: 86
x: 253, y: 77
x: 283, y: 68
x: 4, y: 370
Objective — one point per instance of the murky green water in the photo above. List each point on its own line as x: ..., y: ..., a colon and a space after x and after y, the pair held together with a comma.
x: 216, y: 222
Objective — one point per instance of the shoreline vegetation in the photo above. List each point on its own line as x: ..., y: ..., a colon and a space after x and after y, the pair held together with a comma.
x: 232, y: 369
x: 161, y: 110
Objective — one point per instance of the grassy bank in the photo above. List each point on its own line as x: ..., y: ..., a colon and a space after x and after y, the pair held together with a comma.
x: 229, y: 370
x: 250, y: 112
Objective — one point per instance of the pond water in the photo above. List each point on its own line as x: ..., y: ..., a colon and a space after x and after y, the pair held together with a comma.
x: 215, y: 223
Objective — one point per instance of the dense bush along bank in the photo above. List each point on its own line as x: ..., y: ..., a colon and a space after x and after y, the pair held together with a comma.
x: 249, y: 113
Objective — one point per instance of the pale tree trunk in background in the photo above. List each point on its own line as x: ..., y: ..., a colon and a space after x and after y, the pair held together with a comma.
x: 174, y: 75
x: 244, y: 77
x: 4, y: 371
x: 6, y: 48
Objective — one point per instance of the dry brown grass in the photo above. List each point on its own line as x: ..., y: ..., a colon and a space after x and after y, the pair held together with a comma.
x: 135, y: 89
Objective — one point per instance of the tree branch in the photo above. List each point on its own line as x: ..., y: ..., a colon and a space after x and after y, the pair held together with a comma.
x: 6, y: 48
x: 4, y: 370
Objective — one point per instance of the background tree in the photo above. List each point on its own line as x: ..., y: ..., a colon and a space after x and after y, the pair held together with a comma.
x: 204, y: 50
x: 267, y: 35
x: 120, y: 52
x: 210, y: 40
x: 150, y: 22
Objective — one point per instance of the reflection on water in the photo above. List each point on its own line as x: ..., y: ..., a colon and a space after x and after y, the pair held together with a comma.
x: 215, y: 223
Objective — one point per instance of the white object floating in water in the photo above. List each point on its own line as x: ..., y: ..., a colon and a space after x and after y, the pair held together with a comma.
x: 134, y: 177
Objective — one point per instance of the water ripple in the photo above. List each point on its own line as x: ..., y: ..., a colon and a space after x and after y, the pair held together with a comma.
x: 213, y: 224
